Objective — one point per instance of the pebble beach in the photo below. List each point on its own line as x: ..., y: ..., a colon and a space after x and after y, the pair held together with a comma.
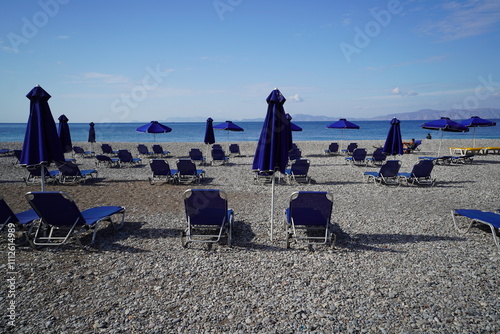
x: 398, y: 265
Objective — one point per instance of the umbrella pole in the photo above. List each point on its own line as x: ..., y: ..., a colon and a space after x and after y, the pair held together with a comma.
x: 272, y: 205
x: 474, y: 138
x: 42, y: 171
x: 440, y: 142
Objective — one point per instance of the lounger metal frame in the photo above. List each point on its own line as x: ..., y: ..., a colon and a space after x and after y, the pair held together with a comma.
x: 206, y: 232
x: 298, y: 231
x: 490, y: 219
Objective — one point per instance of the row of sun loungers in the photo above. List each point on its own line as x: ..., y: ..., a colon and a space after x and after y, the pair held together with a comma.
x: 474, y: 150
x: 55, y: 218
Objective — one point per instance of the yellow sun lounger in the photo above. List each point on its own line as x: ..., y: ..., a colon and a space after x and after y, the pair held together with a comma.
x: 467, y: 150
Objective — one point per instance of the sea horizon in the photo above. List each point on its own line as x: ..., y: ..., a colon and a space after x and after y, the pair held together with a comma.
x: 195, y: 131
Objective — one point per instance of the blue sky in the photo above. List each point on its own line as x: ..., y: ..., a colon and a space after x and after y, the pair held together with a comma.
x: 122, y: 61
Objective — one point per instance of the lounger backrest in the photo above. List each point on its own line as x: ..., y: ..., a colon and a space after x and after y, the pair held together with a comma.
x: 218, y: 154
x: 103, y: 158
x: 423, y: 168
x: 125, y: 156
x: 78, y: 150
x: 217, y: 146
x: 157, y: 149
x: 6, y: 213
x: 55, y: 208
x: 142, y: 149
x: 68, y: 168
x: 195, y: 154
x: 106, y: 148
x: 205, y: 207
x: 160, y: 167
x: 300, y: 167
x: 390, y: 168
x: 186, y: 167
x: 37, y: 171
x: 334, y: 147
x: 294, y: 153
x: 234, y: 148
x: 378, y: 155
x: 351, y: 147
x: 311, y: 208
x: 359, y: 154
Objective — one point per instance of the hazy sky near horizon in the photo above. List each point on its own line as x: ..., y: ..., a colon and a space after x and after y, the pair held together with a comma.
x: 119, y: 61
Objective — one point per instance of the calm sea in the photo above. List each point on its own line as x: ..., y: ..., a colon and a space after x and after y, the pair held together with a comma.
x: 195, y: 132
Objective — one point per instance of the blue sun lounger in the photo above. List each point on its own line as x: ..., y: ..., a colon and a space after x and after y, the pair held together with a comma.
x: 491, y: 219
x: 60, y: 218
x: 309, y: 212
x: 420, y: 174
x: 207, y: 216
x: 388, y: 173
x: 161, y: 171
x: 7, y: 216
x: 69, y: 172
x: 187, y: 172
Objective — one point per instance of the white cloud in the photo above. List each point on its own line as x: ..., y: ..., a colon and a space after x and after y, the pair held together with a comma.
x: 464, y: 19
x: 106, y: 78
x: 296, y: 98
x: 62, y: 37
x: 398, y: 91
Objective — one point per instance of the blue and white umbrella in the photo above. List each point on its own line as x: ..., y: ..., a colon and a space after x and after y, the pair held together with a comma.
x: 154, y: 127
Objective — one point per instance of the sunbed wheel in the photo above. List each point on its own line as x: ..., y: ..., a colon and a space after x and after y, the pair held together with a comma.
x: 287, y: 241
x: 333, y: 239
x: 183, y: 239
x: 151, y: 182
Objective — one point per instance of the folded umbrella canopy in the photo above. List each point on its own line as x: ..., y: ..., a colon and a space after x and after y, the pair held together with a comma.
x: 209, y: 134
x: 444, y: 124
x: 271, y: 154
x: 41, y: 144
x: 393, y: 144
x: 475, y: 122
x: 64, y: 134
x: 154, y: 127
x: 91, y: 134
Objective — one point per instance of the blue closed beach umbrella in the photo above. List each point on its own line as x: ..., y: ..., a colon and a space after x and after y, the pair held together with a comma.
x: 41, y: 144
x: 91, y: 134
x: 271, y: 154
x: 393, y: 144
x: 444, y: 124
x: 475, y: 122
x: 209, y: 132
x: 64, y: 134
x: 154, y: 127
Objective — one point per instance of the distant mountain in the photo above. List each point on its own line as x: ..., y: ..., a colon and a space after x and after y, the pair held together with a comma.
x: 311, y: 118
x: 430, y: 114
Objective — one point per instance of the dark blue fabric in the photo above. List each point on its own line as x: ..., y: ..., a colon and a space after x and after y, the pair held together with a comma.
x: 445, y: 124
x: 41, y: 144
x: 91, y: 133
x: 154, y: 127
x: 343, y: 124
x: 209, y: 132
x: 274, y: 142
x: 393, y: 144
x: 64, y: 134
x: 476, y: 121
x: 228, y: 126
